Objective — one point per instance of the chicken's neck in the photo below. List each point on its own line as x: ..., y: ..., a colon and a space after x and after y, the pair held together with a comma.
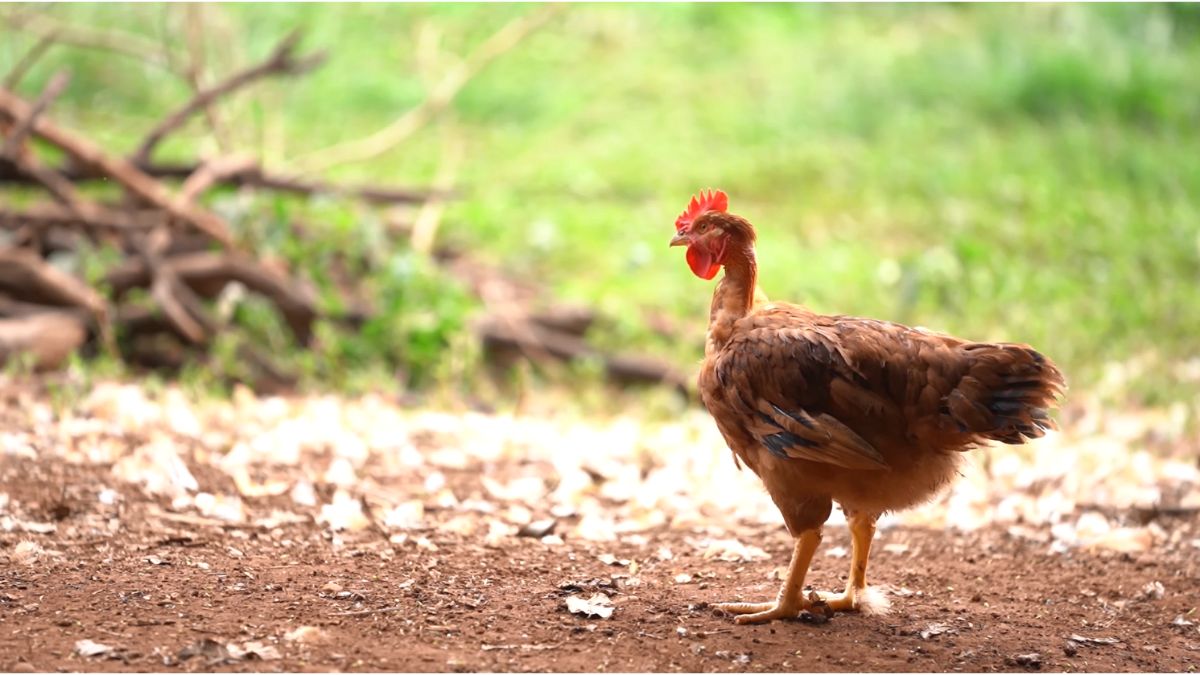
x: 734, y: 296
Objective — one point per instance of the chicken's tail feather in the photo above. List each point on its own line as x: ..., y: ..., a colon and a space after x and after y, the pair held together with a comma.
x: 1006, y: 393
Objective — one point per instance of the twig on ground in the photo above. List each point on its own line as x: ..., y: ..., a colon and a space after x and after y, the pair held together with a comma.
x: 442, y: 95
x: 280, y: 62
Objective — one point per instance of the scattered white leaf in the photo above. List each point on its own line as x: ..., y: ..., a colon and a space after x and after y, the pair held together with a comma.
x: 90, y: 648
x: 598, y: 605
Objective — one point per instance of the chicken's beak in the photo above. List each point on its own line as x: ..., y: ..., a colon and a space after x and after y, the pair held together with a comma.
x: 681, y: 239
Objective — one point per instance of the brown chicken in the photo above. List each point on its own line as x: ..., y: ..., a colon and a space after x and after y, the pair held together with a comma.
x: 870, y: 414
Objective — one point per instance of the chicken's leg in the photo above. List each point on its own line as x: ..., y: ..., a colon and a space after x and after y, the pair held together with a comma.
x: 862, y: 531
x: 790, y: 601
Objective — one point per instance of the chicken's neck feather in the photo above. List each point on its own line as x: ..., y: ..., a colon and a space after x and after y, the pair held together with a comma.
x: 734, y: 297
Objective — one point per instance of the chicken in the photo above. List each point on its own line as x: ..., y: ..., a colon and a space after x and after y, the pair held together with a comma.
x: 869, y: 414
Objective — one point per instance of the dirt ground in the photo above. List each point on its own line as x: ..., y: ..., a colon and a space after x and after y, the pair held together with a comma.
x: 173, y: 598
x: 145, y: 532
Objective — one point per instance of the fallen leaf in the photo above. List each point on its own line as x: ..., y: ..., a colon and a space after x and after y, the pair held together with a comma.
x: 538, y: 528
x: 1152, y: 591
x: 254, y: 649
x: 90, y: 648
x: 732, y: 550
x: 610, y: 559
x: 1095, y: 640
x: 935, y: 629
x: 598, y: 605
x: 1030, y: 660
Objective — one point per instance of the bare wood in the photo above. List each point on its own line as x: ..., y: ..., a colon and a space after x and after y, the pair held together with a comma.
x: 125, y: 43
x: 208, y: 273
x: 442, y: 95
x: 20, y: 130
x: 99, y: 218
x: 280, y: 62
x: 30, y: 57
x: 119, y: 169
x: 27, y: 277
x: 518, y: 333
x: 257, y: 178
x: 49, y: 337
x: 429, y: 218
x: 195, y: 32
x: 213, y: 172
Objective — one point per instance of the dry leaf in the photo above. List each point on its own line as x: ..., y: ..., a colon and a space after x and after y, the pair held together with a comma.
x: 90, y: 648
x: 598, y: 605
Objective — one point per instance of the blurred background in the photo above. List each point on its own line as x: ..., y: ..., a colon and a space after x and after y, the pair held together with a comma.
x: 1023, y: 173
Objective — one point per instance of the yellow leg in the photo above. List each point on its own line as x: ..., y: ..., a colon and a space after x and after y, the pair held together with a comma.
x: 862, y: 531
x: 790, y: 601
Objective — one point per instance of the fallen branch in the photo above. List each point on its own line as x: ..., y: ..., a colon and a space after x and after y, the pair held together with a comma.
x: 51, y: 215
x: 442, y: 95
x: 509, y: 334
x: 256, y: 178
x: 208, y: 273
x: 280, y: 62
x: 49, y: 337
x: 120, y: 170
x: 20, y: 130
x: 213, y: 172
x: 27, y: 277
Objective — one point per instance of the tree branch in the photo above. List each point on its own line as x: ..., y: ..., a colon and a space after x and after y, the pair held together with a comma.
x: 280, y: 62
x: 120, y: 170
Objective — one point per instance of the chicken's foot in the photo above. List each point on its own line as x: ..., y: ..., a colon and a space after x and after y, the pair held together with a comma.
x: 790, y: 601
x: 862, y: 531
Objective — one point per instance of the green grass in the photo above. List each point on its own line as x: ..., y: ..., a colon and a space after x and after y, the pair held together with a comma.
x: 1025, y: 172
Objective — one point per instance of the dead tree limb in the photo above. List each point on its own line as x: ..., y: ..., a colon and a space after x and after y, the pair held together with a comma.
x: 30, y: 57
x: 280, y: 62
x: 120, y: 170
x: 442, y: 95
x: 213, y: 172
x: 21, y: 128
x: 257, y: 178
x: 208, y: 273
x: 26, y: 277
x: 519, y: 334
x: 49, y: 337
x: 104, y: 219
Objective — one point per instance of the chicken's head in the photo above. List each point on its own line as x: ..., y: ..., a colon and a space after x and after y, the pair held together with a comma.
x: 706, y: 228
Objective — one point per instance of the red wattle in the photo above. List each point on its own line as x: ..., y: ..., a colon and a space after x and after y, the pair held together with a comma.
x: 701, y: 261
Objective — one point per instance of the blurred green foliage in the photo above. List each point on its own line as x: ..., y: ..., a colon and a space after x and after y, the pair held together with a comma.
x: 1015, y: 172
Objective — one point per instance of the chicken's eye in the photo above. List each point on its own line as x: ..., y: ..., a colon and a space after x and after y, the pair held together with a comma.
x: 702, y: 227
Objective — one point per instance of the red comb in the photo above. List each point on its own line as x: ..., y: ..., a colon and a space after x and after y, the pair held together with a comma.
x: 711, y: 200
